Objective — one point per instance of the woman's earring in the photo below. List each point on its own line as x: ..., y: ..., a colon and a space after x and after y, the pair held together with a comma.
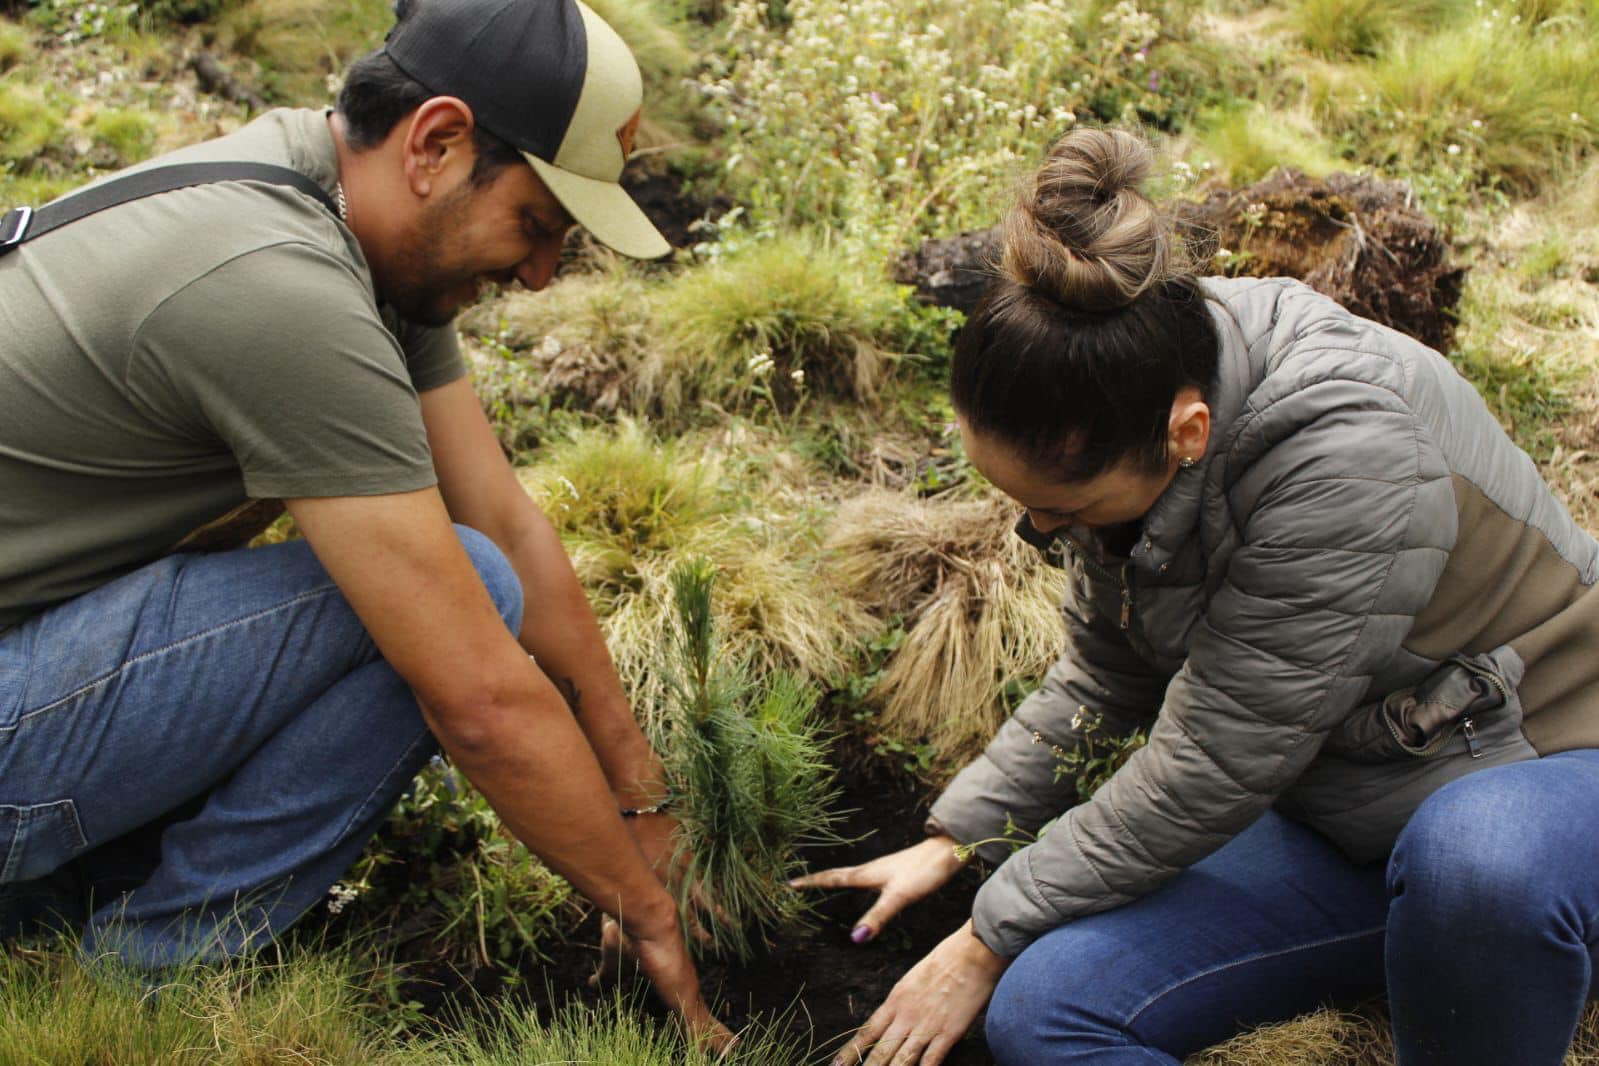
x: 1186, y: 461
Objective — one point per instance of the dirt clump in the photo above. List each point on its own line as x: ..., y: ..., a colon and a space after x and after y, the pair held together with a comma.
x: 1359, y: 239
x: 951, y: 271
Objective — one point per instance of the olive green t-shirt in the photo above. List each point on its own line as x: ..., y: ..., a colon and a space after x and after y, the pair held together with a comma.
x: 165, y: 361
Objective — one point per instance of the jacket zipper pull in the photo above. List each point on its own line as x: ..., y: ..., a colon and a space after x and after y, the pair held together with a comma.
x: 1468, y: 729
x: 1127, y: 607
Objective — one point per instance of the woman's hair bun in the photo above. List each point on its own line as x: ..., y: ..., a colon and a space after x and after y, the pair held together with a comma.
x: 1082, y: 232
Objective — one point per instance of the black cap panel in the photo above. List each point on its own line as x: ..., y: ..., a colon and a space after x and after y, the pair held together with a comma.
x: 519, y: 64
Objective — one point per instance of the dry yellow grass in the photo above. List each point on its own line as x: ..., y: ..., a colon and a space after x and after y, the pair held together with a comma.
x: 631, y: 508
x: 1349, y: 1038
x: 979, y: 606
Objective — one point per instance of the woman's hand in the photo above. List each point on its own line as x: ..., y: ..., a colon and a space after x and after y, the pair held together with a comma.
x: 931, y: 1007
x: 900, y: 878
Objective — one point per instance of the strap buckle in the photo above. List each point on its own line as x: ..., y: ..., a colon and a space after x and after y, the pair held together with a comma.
x: 14, y: 226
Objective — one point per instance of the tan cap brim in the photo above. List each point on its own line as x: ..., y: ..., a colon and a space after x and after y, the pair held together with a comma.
x: 604, y: 209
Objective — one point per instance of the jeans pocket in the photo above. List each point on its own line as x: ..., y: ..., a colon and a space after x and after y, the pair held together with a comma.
x: 36, y: 839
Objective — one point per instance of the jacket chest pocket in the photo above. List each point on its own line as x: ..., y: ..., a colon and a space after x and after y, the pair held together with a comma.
x: 1376, y: 768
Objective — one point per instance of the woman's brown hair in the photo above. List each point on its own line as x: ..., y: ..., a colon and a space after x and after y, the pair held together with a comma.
x: 1077, y: 350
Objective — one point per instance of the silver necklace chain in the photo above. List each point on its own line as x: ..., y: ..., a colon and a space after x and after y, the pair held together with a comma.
x: 341, y: 202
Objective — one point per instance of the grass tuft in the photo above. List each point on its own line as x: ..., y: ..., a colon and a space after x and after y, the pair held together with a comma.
x: 981, y: 610
x: 15, y: 42
x: 613, y: 1033
x: 629, y: 509
x: 1506, y: 99
x: 298, y: 1008
x: 768, y: 324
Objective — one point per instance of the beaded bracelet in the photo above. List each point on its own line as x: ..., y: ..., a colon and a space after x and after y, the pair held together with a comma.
x: 664, y: 804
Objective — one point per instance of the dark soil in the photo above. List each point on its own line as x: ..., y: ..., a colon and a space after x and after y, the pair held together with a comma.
x: 820, y: 984
x: 1358, y: 239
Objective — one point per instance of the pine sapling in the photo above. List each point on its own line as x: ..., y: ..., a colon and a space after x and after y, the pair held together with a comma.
x: 747, y: 760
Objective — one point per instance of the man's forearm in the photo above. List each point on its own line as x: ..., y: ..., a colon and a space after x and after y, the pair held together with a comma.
x: 540, y: 775
x: 560, y: 631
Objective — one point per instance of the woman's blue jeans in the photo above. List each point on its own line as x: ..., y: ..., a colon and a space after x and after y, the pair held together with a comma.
x: 1483, y: 927
x: 234, y: 696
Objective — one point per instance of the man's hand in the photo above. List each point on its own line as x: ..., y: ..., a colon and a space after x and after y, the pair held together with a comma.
x: 665, y: 961
x: 931, y: 1007
x: 900, y: 878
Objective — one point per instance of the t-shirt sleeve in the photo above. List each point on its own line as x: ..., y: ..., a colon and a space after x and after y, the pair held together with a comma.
x: 281, y: 357
x: 433, y: 354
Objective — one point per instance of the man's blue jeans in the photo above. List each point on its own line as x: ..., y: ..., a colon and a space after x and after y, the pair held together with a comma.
x: 237, y: 689
x: 1483, y: 926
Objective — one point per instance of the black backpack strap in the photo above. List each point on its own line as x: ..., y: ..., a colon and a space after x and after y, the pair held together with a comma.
x: 25, y: 223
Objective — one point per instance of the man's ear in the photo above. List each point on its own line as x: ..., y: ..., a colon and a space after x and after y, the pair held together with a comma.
x: 438, y: 141
x: 1188, y: 432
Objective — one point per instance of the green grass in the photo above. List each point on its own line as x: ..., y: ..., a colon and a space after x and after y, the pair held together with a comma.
x: 1245, y: 143
x: 615, y: 1034
x: 303, y: 46
x: 31, y: 122
x: 1343, y: 29
x: 15, y: 41
x: 129, y: 134
x: 1513, y: 103
x: 767, y: 325
x: 296, y: 1007
x: 630, y: 508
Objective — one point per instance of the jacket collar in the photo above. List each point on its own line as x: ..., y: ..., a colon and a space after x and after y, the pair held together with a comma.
x: 1171, y: 522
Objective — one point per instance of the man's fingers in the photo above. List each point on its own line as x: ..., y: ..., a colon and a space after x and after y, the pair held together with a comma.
x: 612, y: 947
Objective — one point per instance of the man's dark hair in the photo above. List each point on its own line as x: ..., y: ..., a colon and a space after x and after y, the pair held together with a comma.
x: 377, y: 94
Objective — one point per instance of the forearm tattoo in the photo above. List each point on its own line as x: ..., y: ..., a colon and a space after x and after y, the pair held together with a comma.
x: 572, y: 694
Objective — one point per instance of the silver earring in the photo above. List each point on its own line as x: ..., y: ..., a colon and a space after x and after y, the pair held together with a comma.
x: 1186, y: 461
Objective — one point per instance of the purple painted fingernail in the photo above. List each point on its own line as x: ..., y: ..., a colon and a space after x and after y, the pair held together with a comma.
x: 861, y: 934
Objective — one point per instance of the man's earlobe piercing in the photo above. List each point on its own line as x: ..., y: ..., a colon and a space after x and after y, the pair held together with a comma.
x: 1186, y: 461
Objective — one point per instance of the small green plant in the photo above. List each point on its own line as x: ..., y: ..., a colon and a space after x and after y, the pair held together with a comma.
x: 1097, y: 755
x: 284, y: 1005
x: 748, y: 760
x: 444, y: 883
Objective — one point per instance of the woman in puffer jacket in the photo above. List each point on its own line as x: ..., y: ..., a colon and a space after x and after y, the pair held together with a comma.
x: 1363, y: 635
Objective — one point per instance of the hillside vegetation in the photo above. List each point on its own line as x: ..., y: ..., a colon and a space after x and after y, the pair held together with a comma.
x: 770, y: 401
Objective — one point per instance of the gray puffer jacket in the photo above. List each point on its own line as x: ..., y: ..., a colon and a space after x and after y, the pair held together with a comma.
x: 1362, y: 591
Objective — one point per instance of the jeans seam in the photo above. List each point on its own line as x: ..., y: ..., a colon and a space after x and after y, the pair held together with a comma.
x: 366, y: 801
x: 1168, y: 990
x: 320, y: 590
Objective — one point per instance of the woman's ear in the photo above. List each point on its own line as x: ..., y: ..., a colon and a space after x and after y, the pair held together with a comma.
x: 1188, y: 433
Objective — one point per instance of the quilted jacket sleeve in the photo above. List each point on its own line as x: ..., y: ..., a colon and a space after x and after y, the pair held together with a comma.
x: 1343, y: 512
x: 1014, y: 778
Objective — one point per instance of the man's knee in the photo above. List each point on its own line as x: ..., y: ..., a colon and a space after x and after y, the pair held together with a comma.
x: 496, y: 573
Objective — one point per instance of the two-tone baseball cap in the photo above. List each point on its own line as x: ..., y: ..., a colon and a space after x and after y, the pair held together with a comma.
x: 551, y: 78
